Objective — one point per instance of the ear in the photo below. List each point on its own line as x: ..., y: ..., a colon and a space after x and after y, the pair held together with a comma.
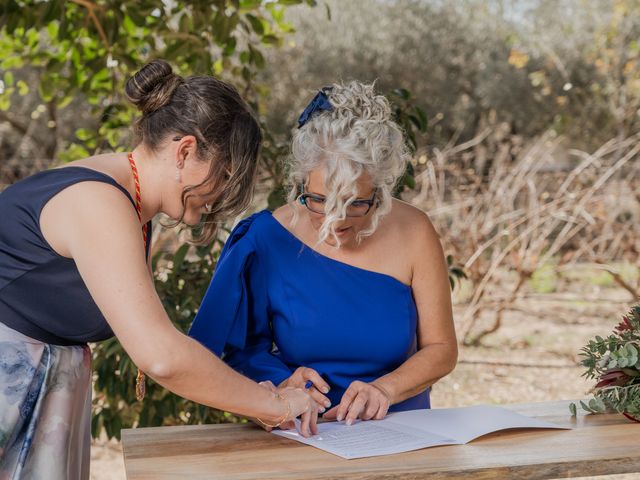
x: 187, y: 148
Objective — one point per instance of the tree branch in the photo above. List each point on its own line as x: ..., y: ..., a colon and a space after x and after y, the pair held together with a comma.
x: 91, y: 9
x: 16, y: 124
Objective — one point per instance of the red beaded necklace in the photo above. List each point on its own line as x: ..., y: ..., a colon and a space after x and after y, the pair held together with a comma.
x: 140, y: 378
x: 136, y: 181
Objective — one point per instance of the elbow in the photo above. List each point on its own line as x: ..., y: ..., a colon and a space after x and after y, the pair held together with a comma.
x: 453, y: 359
x: 160, y: 366
x: 450, y: 360
x: 161, y: 370
x: 165, y: 357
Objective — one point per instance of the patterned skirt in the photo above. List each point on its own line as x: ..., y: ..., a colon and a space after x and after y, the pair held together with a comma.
x: 45, y: 409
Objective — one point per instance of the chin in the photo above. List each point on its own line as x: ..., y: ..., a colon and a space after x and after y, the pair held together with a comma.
x: 192, y: 219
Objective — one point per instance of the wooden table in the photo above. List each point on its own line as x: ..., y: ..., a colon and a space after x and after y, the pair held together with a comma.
x: 597, y: 445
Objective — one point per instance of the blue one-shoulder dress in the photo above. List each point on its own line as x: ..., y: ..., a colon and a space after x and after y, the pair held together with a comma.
x: 275, y: 304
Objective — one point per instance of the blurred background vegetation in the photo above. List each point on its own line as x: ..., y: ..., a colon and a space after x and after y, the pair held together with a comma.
x: 523, y: 117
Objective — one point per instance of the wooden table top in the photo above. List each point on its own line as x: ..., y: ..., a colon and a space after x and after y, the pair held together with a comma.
x: 596, y: 445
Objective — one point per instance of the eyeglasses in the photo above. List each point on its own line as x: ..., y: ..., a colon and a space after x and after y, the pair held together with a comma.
x: 357, y: 208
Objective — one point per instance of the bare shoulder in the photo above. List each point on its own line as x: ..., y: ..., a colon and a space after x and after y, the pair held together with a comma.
x: 411, y: 227
x: 85, y: 208
x: 92, y: 196
x: 411, y: 222
x: 283, y: 214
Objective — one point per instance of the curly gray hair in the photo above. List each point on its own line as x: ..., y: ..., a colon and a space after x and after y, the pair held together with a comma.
x: 356, y: 136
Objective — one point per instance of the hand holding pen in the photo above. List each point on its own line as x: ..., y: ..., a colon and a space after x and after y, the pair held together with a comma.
x: 305, y: 377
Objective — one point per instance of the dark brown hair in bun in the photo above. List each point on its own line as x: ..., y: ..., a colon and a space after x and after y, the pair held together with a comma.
x: 228, y: 135
x: 152, y: 87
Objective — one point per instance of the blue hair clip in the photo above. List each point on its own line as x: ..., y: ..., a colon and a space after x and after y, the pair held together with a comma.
x: 319, y: 103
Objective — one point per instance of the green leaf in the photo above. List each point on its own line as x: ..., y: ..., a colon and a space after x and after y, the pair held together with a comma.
x: 402, y: 93
x: 23, y: 88
x: 271, y: 39
x: 130, y: 26
x: 250, y: 4
x: 277, y: 198
x: 257, y: 58
x: 600, y: 406
x: 84, y: 134
x: 46, y: 90
x: 64, y: 102
x: 8, y: 79
x: 12, y: 63
x: 572, y: 409
x: 585, y: 407
x: 230, y: 47
x: 52, y: 29
x: 101, y: 80
x: 256, y: 24
x: 53, y: 11
x: 424, y: 123
x: 5, y: 103
x: 179, y: 256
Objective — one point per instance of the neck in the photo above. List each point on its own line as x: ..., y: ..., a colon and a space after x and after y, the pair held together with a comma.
x: 150, y: 198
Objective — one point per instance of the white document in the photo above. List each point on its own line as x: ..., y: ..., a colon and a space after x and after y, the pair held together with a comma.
x: 414, y: 429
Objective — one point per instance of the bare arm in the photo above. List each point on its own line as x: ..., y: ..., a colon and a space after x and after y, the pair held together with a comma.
x: 437, y: 346
x: 96, y: 226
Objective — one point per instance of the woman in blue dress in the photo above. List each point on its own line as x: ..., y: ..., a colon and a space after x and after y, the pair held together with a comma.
x: 74, y: 244
x: 345, y: 289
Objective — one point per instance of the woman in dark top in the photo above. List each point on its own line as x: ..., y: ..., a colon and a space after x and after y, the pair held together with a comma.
x: 74, y: 244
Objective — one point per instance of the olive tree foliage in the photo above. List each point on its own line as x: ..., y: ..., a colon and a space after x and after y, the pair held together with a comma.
x: 584, y: 56
x: 87, y: 49
x: 452, y: 56
x: 535, y: 65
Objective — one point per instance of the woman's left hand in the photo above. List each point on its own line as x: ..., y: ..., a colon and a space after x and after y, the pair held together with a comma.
x: 361, y: 400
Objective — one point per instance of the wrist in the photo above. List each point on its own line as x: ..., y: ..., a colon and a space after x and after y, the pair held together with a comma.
x: 279, y: 411
x: 386, y: 388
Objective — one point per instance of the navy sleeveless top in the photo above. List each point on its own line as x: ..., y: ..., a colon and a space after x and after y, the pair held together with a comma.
x: 41, y: 293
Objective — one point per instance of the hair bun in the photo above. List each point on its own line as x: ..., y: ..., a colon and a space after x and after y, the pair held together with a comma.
x: 152, y: 86
x: 360, y: 100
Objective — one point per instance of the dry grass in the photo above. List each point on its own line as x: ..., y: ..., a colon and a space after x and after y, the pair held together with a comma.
x: 502, y: 206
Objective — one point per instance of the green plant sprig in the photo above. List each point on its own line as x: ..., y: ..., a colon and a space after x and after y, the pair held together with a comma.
x: 615, y: 362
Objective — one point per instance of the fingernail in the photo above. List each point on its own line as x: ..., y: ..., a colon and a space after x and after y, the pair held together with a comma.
x: 349, y: 422
x: 321, y: 410
x: 340, y: 417
x: 325, y: 389
x: 327, y: 404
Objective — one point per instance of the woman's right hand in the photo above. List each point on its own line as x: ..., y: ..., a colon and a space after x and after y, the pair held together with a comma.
x: 299, y: 379
x: 301, y: 404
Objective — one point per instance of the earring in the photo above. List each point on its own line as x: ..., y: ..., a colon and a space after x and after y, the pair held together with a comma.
x: 178, y: 176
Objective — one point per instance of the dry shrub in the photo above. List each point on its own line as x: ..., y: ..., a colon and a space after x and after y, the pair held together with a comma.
x: 499, y: 204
